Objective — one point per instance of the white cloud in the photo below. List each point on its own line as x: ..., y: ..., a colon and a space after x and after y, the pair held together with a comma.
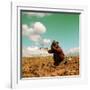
x: 46, y: 41
x: 39, y: 28
x: 43, y: 42
x: 35, y: 32
x: 36, y: 14
x: 34, y: 37
x: 34, y: 51
x: 25, y: 52
x: 24, y: 27
x: 32, y: 48
x: 73, y: 52
x: 26, y: 31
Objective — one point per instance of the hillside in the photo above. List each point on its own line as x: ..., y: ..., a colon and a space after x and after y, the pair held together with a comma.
x: 43, y: 67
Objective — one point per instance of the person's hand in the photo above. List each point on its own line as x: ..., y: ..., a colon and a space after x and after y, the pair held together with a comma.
x: 50, y: 51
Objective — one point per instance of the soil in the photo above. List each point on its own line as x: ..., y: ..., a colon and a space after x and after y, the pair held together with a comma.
x: 43, y: 67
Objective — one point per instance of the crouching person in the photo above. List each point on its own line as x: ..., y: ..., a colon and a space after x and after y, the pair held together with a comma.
x: 57, y: 52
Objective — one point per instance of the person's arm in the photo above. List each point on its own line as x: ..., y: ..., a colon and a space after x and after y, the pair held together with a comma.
x: 50, y: 51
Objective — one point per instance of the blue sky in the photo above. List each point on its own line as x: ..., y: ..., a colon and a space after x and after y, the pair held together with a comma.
x: 63, y: 27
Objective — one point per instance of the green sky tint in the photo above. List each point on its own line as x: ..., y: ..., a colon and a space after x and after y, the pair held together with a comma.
x: 63, y: 27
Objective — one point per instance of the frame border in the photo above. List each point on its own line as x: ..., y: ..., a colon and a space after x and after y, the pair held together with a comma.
x: 41, y: 11
x: 15, y: 82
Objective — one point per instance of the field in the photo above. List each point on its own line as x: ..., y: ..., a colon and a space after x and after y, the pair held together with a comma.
x: 43, y: 67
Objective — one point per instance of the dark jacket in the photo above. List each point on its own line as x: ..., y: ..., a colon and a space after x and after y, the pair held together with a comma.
x: 58, y: 54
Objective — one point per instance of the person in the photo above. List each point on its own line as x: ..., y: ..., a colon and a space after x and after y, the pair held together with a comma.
x: 58, y: 54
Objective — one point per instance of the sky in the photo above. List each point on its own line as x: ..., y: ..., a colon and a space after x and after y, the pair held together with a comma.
x: 41, y: 28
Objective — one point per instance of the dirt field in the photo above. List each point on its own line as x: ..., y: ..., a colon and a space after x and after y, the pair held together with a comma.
x: 43, y: 67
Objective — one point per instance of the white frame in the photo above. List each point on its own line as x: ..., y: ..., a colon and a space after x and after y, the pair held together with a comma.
x: 15, y: 35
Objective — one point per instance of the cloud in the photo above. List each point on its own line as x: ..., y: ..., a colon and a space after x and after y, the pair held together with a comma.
x: 46, y: 41
x: 36, y: 28
x: 34, y: 37
x: 24, y: 27
x: 43, y: 42
x: 35, y: 32
x: 32, y: 48
x: 40, y: 15
x: 25, y: 52
x: 73, y: 52
x: 34, y: 51
x: 26, y: 31
x: 39, y: 28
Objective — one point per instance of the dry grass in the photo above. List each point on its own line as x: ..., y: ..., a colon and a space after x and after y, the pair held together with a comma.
x: 43, y: 67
